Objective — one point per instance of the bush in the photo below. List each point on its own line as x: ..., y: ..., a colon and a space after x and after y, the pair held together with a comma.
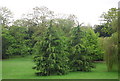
x: 15, y: 41
x: 110, y: 46
x: 7, y: 40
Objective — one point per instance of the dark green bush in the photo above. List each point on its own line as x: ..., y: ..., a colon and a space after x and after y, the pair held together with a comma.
x: 15, y: 41
x: 7, y: 40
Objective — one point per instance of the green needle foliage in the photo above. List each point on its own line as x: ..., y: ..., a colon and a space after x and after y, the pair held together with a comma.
x: 80, y: 60
x: 91, y: 43
x: 51, y: 57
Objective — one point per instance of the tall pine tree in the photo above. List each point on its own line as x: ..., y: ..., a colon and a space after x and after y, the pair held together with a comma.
x: 51, y: 57
x: 79, y: 59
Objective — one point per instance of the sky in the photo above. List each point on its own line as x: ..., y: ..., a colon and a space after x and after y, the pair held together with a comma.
x: 87, y: 11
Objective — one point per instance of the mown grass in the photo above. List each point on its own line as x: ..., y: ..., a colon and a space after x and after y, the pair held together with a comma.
x: 21, y: 68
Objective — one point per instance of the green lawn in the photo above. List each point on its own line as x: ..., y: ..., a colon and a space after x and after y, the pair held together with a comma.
x: 21, y: 68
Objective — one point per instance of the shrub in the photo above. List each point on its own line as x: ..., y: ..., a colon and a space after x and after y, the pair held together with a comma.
x: 110, y: 47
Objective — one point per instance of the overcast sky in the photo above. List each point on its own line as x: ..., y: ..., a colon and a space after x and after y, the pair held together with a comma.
x: 87, y: 11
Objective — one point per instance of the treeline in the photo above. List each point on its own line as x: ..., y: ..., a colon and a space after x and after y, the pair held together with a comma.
x: 59, y: 44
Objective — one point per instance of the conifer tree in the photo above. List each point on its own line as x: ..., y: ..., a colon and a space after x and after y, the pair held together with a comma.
x: 92, y: 45
x: 79, y: 59
x: 51, y: 57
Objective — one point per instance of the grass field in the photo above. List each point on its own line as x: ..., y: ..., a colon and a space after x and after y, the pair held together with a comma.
x: 21, y: 68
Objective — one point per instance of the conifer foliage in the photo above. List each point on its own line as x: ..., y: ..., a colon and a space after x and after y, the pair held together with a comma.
x: 80, y: 60
x: 51, y: 57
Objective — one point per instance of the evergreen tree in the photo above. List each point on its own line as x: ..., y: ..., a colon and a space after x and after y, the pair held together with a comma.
x: 51, y: 57
x: 91, y: 43
x: 80, y: 60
